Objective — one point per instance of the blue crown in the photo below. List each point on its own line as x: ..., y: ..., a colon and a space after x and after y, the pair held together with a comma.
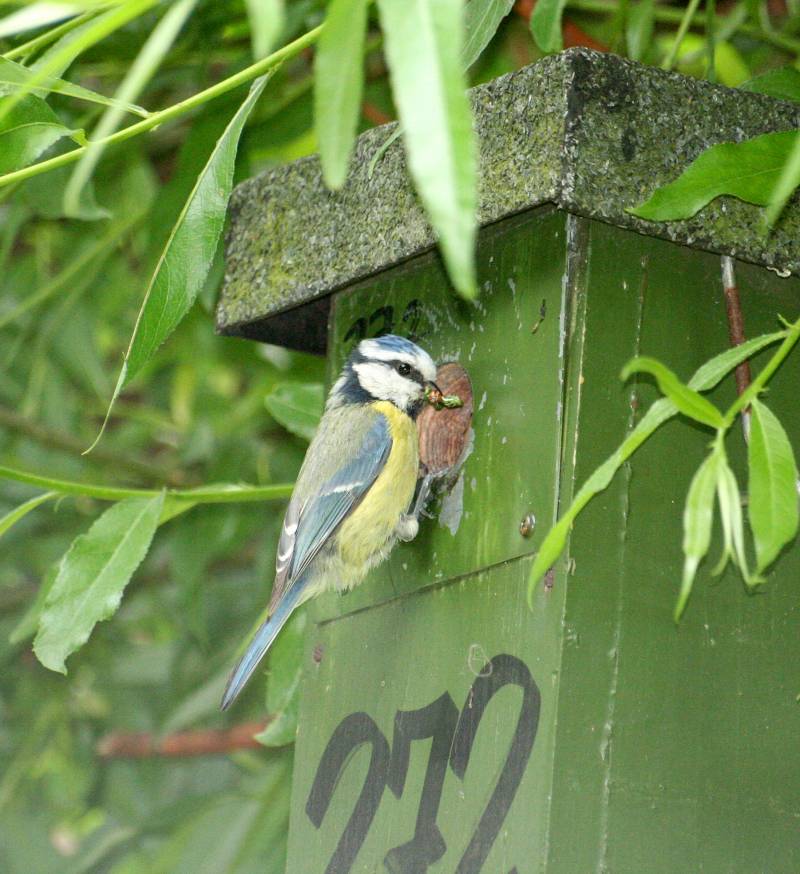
x: 394, y: 343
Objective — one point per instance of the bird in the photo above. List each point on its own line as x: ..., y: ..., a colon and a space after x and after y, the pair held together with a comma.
x: 352, y: 500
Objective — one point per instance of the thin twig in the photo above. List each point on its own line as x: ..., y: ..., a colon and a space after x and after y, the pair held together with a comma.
x: 221, y: 494
x: 50, y: 36
x: 174, y: 111
x: 683, y: 27
x: 202, y: 742
x: 736, y: 333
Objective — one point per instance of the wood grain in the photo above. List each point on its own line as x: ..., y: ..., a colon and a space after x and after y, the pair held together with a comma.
x: 443, y: 433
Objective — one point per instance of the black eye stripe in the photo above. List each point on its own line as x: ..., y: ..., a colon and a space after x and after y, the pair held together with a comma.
x: 408, y: 371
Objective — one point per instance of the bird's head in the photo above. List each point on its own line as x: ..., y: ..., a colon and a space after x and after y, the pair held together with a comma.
x: 388, y: 368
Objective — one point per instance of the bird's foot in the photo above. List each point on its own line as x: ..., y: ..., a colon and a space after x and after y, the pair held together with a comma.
x: 407, y: 527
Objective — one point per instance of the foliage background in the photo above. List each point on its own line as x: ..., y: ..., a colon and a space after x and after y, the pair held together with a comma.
x: 204, y: 410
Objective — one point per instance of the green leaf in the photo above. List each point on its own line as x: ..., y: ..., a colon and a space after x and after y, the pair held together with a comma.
x: 19, y: 512
x: 639, y: 28
x: 688, y: 401
x: 92, y: 576
x: 783, y: 84
x: 189, y: 251
x: 138, y: 75
x: 709, y: 374
x: 704, y: 378
x: 423, y: 46
x: 82, y: 38
x: 267, y: 19
x: 481, y: 20
x: 338, y: 84
x: 772, y: 485
x: 56, y: 58
x: 297, y: 406
x: 14, y: 77
x: 219, y: 830
x: 749, y: 170
x: 29, y: 130
x: 730, y: 511
x: 788, y: 180
x: 283, y: 684
x: 33, y: 16
x: 698, y: 516
x: 546, y: 24
x: 198, y: 705
x: 174, y: 507
x: 23, y: 144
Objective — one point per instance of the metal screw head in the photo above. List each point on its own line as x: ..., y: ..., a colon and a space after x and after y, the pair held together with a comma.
x: 527, y: 525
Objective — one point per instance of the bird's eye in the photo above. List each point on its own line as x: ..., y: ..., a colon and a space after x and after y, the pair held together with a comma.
x: 403, y: 369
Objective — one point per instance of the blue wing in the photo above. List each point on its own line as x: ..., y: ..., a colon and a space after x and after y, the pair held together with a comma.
x: 307, y: 527
x: 338, y: 496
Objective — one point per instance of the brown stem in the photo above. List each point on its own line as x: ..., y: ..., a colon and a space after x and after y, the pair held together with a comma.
x: 374, y: 114
x: 202, y: 742
x: 736, y: 333
x: 735, y: 320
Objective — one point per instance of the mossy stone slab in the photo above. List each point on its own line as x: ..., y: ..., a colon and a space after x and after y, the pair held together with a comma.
x: 589, y: 132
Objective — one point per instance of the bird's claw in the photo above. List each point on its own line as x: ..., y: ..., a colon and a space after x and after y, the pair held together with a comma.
x: 424, y: 490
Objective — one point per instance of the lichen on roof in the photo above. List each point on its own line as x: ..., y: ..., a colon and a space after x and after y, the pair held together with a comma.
x: 591, y: 133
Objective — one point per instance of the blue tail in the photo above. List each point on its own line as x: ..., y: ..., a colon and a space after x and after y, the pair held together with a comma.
x: 261, y: 642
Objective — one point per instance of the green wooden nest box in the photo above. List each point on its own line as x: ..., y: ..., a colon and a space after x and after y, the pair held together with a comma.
x: 591, y: 733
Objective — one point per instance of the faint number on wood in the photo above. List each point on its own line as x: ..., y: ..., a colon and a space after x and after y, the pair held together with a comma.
x: 383, y: 321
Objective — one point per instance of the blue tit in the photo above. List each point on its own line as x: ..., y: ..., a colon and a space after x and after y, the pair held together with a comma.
x: 352, y: 500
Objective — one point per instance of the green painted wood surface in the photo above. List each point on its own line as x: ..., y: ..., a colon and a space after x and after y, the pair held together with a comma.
x: 511, y: 468
x: 658, y: 748
x: 677, y: 747
x: 426, y: 622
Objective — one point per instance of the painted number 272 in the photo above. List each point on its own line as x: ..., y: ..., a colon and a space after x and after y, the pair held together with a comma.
x: 453, y: 735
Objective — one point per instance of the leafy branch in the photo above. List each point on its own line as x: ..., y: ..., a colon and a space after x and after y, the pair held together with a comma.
x: 171, y: 112
x: 773, y: 475
x: 225, y: 493
x: 87, y: 584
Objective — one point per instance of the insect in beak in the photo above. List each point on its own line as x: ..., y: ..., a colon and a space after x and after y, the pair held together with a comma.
x: 440, y: 401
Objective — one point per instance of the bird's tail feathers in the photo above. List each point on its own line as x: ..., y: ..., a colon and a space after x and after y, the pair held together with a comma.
x: 259, y: 645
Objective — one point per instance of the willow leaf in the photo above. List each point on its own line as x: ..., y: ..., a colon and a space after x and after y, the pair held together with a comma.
x: 749, y: 170
x: 772, y: 485
x: 189, y: 251
x: 92, y: 576
x: 423, y: 46
x: 338, y: 84
x: 14, y: 78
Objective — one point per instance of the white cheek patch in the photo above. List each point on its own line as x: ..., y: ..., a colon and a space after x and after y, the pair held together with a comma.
x: 386, y: 383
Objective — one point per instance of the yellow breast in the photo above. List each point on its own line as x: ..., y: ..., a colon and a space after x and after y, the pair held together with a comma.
x: 368, y: 533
